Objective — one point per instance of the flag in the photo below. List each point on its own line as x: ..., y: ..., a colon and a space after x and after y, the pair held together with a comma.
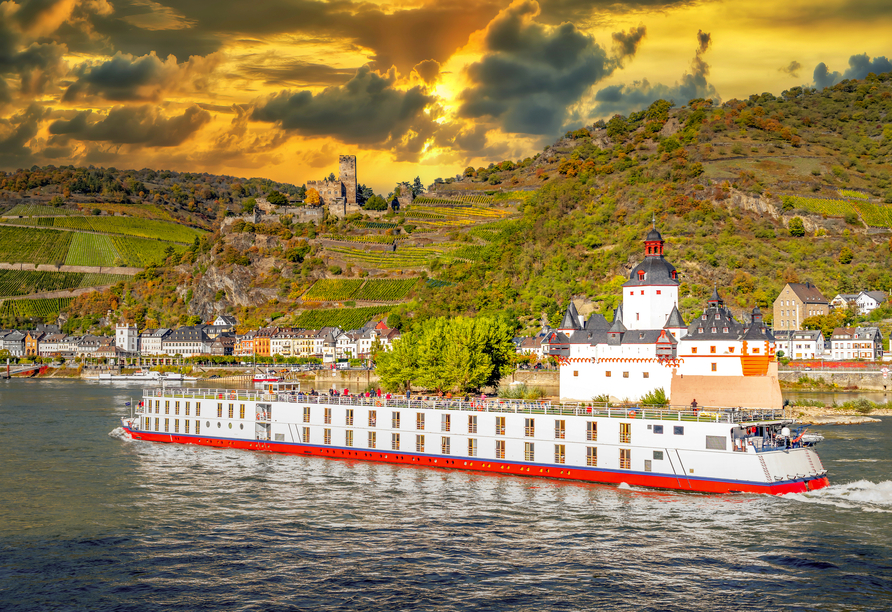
x: 127, y: 403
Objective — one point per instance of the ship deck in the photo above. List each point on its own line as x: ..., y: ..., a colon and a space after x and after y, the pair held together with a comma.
x: 703, y: 414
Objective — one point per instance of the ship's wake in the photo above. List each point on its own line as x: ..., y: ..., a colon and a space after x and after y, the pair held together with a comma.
x: 862, y: 494
x: 120, y: 433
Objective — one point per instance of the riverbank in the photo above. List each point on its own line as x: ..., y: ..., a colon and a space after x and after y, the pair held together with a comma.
x: 830, y: 415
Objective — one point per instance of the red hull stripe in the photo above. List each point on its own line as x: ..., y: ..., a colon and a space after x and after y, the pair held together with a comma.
x: 587, y: 474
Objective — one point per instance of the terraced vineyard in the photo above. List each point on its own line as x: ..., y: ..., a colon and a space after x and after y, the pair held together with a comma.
x: 93, y: 250
x: 332, y: 290
x: 25, y: 245
x: 877, y: 215
x: 376, y: 225
x: 454, y: 217
x: 385, y: 290
x: 34, y: 308
x: 24, y: 282
x: 141, y: 252
x: 126, y: 226
x: 368, y: 238
x: 345, y: 318
x: 29, y: 210
x: 404, y: 257
x: 821, y: 206
x: 850, y: 193
x: 464, y: 199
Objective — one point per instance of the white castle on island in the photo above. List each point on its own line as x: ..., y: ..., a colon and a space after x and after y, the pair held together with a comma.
x: 714, y: 360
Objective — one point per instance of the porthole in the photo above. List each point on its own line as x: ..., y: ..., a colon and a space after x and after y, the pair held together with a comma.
x: 219, y: 425
x: 230, y: 426
x: 241, y: 426
x: 207, y: 423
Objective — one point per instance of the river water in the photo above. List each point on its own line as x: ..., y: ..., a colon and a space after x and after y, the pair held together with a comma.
x: 91, y: 521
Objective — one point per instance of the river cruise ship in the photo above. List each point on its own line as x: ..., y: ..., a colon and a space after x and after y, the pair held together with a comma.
x: 711, y: 450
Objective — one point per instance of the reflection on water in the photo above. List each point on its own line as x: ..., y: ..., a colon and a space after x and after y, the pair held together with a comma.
x: 92, y: 521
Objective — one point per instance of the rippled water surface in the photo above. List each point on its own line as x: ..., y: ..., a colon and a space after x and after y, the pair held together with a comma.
x: 91, y: 521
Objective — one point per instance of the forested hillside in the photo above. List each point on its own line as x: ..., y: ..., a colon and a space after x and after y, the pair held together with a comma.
x: 748, y: 194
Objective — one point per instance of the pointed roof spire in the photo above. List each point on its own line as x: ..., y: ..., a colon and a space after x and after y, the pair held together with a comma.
x: 571, y: 318
x: 675, y: 321
x: 617, y: 327
x: 618, y: 313
x: 716, y: 298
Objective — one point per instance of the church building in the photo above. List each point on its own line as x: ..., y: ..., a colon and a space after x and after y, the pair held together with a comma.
x: 714, y: 360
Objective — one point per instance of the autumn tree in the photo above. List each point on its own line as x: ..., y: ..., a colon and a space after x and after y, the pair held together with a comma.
x: 313, y: 198
x: 796, y: 227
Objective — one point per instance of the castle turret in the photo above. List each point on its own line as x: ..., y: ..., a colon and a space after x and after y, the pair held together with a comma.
x: 651, y: 292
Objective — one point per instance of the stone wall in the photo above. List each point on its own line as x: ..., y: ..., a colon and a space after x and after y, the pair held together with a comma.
x: 347, y: 174
x: 64, y: 268
x: 871, y: 381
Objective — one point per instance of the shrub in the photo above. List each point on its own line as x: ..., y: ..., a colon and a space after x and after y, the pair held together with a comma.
x: 334, y: 269
x: 796, y: 227
x: 657, y: 397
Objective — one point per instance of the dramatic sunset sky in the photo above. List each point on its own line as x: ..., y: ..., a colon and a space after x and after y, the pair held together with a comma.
x: 278, y: 88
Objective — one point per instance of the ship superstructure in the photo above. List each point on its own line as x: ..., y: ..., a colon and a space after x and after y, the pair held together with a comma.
x: 692, y: 449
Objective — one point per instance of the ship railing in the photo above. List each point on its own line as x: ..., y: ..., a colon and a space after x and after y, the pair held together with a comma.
x: 703, y: 414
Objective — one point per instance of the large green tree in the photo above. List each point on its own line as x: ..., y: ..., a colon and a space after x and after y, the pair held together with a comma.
x: 442, y: 354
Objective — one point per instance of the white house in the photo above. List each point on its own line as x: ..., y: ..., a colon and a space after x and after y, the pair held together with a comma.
x: 186, y: 342
x: 868, y: 301
x: 151, y: 341
x: 856, y: 343
x: 806, y: 344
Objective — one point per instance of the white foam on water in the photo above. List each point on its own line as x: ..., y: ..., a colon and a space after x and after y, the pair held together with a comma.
x: 624, y: 485
x: 855, y: 460
x: 120, y: 433
x: 862, y: 494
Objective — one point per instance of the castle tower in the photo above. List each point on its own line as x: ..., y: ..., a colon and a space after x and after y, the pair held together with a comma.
x: 651, y: 293
x: 347, y: 171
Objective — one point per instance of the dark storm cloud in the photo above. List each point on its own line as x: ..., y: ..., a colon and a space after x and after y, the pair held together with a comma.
x: 35, y: 63
x: 559, y: 11
x: 119, y: 79
x: 626, y: 44
x: 400, y: 37
x: 428, y: 70
x: 136, y: 125
x: 366, y: 110
x: 626, y: 98
x: 15, y: 134
x: 792, y: 69
x: 530, y: 73
x: 295, y: 72
x: 859, y: 67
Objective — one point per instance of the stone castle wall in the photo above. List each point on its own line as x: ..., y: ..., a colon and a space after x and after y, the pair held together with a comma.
x: 347, y: 172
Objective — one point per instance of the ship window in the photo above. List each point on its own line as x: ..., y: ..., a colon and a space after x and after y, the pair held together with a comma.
x: 166, y: 407
x: 591, y: 431
x: 529, y: 428
x: 197, y: 409
x: 472, y: 424
x: 445, y: 422
x: 394, y: 441
x: 560, y: 429
x: 658, y: 455
x: 305, y: 435
x: 625, y: 433
x: 500, y: 449
x: 647, y: 465
x: 625, y: 458
x: 187, y: 408
x: 219, y: 411
x: 326, y: 436
x: 231, y: 410
x: 658, y: 429
x: 591, y: 456
x: 327, y: 416
x: 176, y: 408
x: 395, y: 421
x: 444, y: 445
x: 157, y: 424
x: 500, y: 426
x: 242, y: 426
x: 419, y: 444
x: 373, y: 438
x: 348, y: 438
x: 176, y: 426
x: 230, y: 426
x: 219, y: 425
x: 147, y: 423
x: 306, y: 414
x: 373, y: 418
x: 645, y: 374
x: 716, y: 442
x: 349, y: 417
x: 157, y: 406
x: 678, y: 430
x: 560, y: 453
x: 166, y: 424
x: 472, y: 447
x: 529, y: 451
x: 241, y: 411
